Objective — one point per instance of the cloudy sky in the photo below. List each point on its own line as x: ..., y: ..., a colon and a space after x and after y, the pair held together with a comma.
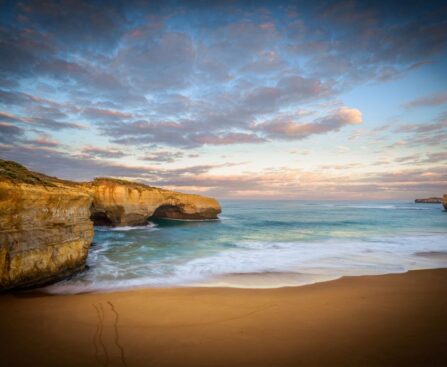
x: 335, y: 100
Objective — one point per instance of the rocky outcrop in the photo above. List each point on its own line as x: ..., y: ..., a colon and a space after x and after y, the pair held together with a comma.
x: 46, y: 224
x: 444, y: 202
x: 45, y: 227
x: 122, y: 203
x: 432, y: 200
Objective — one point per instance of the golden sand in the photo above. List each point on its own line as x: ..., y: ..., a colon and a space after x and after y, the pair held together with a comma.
x: 388, y: 320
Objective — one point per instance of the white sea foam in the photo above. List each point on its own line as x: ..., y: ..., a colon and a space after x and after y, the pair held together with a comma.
x: 317, y: 260
x: 191, y: 220
x: 146, y: 227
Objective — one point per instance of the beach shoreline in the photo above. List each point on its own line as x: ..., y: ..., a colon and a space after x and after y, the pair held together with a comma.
x: 383, y: 320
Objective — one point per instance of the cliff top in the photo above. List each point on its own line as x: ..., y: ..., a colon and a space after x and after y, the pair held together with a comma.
x: 117, y: 181
x: 17, y: 173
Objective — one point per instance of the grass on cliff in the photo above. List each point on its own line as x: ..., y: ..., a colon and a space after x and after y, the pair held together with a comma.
x: 17, y: 173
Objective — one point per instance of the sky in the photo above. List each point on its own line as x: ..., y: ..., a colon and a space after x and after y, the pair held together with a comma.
x: 235, y: 100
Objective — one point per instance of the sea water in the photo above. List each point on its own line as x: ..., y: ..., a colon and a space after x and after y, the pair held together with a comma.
x: 267, y: 244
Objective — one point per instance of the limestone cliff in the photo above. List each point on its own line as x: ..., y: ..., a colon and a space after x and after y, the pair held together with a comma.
x: 119, y: 202
x: 46, y: 224
x: 45, y: 227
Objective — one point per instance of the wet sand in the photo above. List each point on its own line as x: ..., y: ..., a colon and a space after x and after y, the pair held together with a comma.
x: 387, y: 320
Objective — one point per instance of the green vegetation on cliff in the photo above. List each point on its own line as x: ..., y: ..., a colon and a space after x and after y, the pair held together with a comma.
x: 17, y: 173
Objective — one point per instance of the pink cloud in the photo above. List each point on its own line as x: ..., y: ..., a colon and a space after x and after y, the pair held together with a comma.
x: 287, y: 128
x: 45, y: 140
x: 230, y: 138
x: 436, y: 99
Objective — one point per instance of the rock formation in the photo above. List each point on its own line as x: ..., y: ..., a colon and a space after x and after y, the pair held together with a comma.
x: 119, y: 203
x: 45, y: 227
x: 46, y: 224
x: 432, y: 200
x: 444, y: 202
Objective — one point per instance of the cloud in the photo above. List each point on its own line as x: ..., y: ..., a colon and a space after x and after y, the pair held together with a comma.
x: 44, y: 141
x: 333, y: 183
x: 8, y: 98
x: 228, y: 138
x: 140, y: 74
x: 214, y: 77
x: 421, y: 159
x: 425, y: 134
x: 355, y: 41
x: 162, y: 60
x: 48, y: 160
x: 9, y: 132
x: 286, y: 128
x: 75, y: 22
x: 102, y: 152
x: 105, y: 114
x: 436, y: 174
x: 408, y: 158
x: 436, y: 157
x: 280, y: 182
x: 266, y: 62
x: 143, y: 132
x: 225, y: 118
x: 162, y: 156
x: 58, y: 163
x: 43, y: 122
x: 9, y: 117
x: 436, y: 99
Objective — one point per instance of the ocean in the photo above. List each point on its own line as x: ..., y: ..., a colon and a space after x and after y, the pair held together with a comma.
x: 261, y: 244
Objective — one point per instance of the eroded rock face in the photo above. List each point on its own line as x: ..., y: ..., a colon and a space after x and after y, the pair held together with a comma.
x: 45, y: 228
x: 119, y: 203
x: 444, y: 202
x: 46, y: 224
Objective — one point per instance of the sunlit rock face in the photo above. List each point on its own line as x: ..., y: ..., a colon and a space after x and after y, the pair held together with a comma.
x: 45, y: 227
x: 46, y: 224
x: 444, y: 201
x: 119, y: 203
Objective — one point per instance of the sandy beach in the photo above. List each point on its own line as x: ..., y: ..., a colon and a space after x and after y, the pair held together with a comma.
x: 388, y: 320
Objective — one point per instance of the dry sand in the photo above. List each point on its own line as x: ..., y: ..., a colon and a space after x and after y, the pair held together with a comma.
x: 389, y: 320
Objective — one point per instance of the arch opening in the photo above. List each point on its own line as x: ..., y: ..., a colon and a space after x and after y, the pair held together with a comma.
x: 169, y: 211
x: 100, y: 219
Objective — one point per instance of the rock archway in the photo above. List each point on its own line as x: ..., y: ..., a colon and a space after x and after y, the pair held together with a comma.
x: 123, y: 204
x: 168, y: 211
x: 46, y: 224
x: 100, y: 219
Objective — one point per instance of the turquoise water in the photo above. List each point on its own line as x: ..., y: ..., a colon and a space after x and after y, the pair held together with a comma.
x: 268, y: 243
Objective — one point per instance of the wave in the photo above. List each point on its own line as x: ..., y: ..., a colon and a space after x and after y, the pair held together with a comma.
x: 148, y: 226
x: 189, y: 220
x: 328, y: 259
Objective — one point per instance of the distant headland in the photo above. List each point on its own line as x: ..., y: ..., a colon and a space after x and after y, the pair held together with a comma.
x: 432, y: 200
